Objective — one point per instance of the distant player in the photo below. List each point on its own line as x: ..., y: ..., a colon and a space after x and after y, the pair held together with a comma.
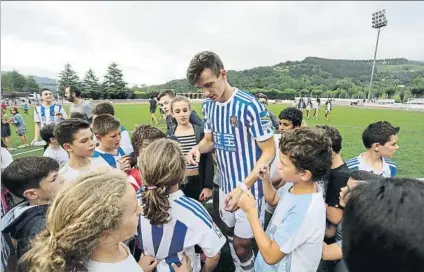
x: 240, y: 129
x: 47, y: 113
x: 308, y: 108
x: 152, y: 106
x: 327, y: 109
x: 315, y: 105
x: 381, y: 141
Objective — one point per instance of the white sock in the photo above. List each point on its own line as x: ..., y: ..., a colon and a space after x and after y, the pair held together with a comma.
x: 249, y: 266
x: 236, y: 260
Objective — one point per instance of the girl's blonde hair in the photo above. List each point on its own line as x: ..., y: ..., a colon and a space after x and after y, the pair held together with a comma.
x: 179, y: 99
x: 162, y: 165
x: 79, y: 216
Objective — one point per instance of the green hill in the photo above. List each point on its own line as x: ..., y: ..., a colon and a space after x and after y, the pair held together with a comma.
x: 397, y: 78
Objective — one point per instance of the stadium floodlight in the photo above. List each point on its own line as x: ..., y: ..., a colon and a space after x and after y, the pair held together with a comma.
x: 379, y: 21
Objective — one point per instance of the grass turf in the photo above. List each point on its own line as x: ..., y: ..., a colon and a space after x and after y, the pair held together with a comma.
x: 349, y: 121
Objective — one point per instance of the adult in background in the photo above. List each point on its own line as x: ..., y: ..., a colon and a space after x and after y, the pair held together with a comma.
x: 239, y: 128
x: 153, y: 103
x: 264, y: 100
x: 73, y: 95
x: 165, y: 99
x: 47, y: 113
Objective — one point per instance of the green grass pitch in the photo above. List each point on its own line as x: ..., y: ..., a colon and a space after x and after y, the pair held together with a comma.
x: 348, y: 120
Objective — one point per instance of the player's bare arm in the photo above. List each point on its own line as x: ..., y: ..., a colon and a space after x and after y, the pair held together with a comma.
x: 268, y: 154
x: 36, y: 132
x: 269, y: 249
x: 204, y: 146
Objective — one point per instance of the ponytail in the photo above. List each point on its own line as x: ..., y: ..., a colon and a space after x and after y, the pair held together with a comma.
x: 156, y: 205
x: 160, y: 174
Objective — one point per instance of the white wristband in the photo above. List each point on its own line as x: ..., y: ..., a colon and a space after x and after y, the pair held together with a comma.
x: 243, y: 187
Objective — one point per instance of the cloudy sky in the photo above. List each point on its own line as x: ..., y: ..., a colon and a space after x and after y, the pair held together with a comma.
x: 153, y: 42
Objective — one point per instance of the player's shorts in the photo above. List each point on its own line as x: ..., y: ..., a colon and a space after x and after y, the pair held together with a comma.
x: 152, y: 110
x: 238, y: 219
x: 21, y: 131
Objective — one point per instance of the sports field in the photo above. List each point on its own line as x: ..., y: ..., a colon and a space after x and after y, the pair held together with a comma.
x: 350, y: 122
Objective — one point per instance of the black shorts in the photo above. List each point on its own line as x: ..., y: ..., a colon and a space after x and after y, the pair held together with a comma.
x: 152, y: 110
x: 5, y: 130
x: 193, y: 187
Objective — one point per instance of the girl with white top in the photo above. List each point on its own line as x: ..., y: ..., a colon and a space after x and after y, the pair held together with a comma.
x: 86, y: 227
x: 173, y: 224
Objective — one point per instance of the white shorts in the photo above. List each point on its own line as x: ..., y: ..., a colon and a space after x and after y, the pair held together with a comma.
x: 238, y: 219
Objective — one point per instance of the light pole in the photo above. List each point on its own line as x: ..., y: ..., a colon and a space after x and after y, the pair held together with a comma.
x: 379, y: 20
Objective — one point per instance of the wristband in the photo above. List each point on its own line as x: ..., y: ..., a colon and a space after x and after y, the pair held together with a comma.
x: 243, y: 187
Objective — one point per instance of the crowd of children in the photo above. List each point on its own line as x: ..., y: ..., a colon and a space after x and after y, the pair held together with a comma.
x: 100, y: 200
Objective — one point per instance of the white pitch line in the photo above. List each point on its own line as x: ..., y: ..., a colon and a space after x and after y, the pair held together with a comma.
x: 28, y: 151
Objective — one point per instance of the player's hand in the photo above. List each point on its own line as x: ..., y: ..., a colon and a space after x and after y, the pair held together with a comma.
x: 193, y: 157
x: 147, y: 263
x: 263, y: 173
x: 247, y: 203
x: 125, y: 163
x: 232, y: 199
x: 185, y: 265
x: 205, y: 194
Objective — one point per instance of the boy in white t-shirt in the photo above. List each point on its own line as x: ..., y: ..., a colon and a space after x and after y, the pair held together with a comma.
x: 381, y: 141
x: 293, y: 239
x: 52, y: 149
x: 76, y: 137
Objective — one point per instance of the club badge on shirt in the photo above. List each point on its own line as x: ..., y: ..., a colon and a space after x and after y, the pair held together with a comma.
x: 265, y: 120
x: 234, y: 121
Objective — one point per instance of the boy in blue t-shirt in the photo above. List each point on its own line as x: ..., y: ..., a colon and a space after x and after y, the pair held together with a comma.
x: 293, y: 239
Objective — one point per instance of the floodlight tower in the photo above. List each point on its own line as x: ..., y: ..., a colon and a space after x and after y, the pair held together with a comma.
x: 379, y: 21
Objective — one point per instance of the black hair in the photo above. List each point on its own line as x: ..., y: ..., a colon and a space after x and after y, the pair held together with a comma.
x: 75, y: 90
x: 335, y: 137
x: 65, y: 130
x: 46, y: 133
x: 27, y: 173
x: 363, y: 175
x: 292, y: 114
x: 378, y: 132
x: 382, y: 226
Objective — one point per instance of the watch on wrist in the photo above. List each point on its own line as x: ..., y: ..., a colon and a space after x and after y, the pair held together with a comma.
x: 243, y: 187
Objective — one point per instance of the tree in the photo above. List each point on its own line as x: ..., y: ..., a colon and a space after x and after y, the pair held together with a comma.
x: 31, y: 85
x: 18, y: 81
x: 6, y: 82
x: 91, y: 85
x: 114, y: 84
x: 67, y: 78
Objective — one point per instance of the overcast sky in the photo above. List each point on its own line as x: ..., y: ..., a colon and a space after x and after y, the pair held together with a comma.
x: 153, y: 42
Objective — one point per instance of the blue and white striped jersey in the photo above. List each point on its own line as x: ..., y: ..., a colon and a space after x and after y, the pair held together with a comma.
x: 190, y: 225
x: 236, y: 126
x: 389, y: 167
x: 48, y: 115
x: 111, y: 159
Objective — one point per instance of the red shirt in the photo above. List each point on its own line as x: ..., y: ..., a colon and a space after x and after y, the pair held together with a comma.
x: 135, y: 179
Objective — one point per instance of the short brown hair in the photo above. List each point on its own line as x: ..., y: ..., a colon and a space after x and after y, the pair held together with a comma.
x: 103, y: 108
x: 104, y: 123
x: 169, y: 93
x: 143, y: 135
x: 200, y: 62
x: 308, y: 149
